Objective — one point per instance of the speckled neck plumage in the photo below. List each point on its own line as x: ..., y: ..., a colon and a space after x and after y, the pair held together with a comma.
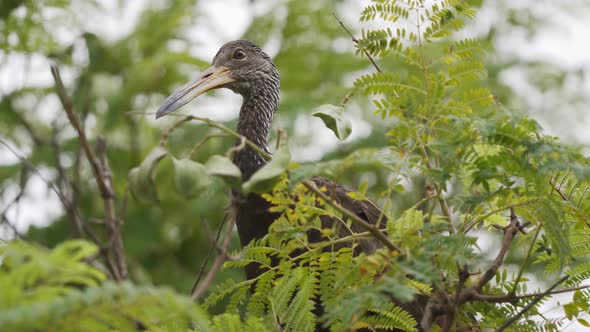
x: 254, y: 123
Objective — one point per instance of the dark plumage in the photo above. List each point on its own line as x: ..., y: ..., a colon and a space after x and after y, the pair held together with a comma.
x: 244, y: 68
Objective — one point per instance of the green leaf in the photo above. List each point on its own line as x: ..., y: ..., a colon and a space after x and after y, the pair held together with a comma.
x: 570, y: 310
x: 333, y: 117
x: 142, y: 178
x: 406, y: 228
x: 224, y: 168
x: 495, y: 219
x: 191, y: 177
x: 266, y: 177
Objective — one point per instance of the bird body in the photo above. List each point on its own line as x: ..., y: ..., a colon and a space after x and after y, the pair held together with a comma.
x: 244, y: 68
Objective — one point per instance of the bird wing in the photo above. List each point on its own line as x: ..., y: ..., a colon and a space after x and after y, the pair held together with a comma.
x: 366, y: 210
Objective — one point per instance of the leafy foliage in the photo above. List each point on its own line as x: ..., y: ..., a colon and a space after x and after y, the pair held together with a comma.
x: 57, y: 290
x: 450, y: 129
x: 446, y: 159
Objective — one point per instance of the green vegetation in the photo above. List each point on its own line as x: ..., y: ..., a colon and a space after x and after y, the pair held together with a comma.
x: 446, y: 159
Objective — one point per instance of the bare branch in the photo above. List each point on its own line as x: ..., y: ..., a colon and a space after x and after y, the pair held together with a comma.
x: 356, y: 41
x: 530, y: 305
x: 112, y: 222
x: 513, y: 298
x: 482, y: 218
x: 474, y: 292
x: 4, y: 219
x: 68, y: 107
x: 526, y: 260
x: 168, y: 131
x: 463, y: 277
x: 213, y: 247
x: 217, y: 125
x: 509, y: 233
x: 218, y: 262
x: 431, y: 311
x: 62, y: 183
x: 102, y: 175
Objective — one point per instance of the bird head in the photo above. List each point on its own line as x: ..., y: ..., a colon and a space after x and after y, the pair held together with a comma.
x: 240, y: 66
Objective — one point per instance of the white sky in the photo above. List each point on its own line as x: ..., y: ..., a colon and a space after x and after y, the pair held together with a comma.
x: 563, y: 42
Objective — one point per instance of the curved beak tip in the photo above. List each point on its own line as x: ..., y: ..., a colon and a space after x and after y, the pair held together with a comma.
x: 212, y: 78
x: 159, y: 114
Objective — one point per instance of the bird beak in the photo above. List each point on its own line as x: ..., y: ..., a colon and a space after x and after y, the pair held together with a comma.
x: 212, y: 78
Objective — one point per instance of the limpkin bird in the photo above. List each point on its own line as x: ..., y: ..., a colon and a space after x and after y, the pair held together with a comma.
x: 244, y: 68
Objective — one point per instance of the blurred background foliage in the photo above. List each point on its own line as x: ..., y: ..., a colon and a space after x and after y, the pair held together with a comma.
x: 109, y: 78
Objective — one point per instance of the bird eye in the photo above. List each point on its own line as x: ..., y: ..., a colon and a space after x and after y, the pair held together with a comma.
x: 239, y: 55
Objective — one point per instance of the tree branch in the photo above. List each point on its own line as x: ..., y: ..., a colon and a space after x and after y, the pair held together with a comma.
x: 376, y: 232
x: 509, y: 233
x: 213, y: 124
x: 68, y: 206
x: 62, y: 183
x: 213, y: 247
x: 69, y: 109
x: 530, y: 305
x: 356, y: 41
x: 474, y: 292
x: 431, y: 311
x: 103, y: 179
x: 113, y: 223
x: 513, y: 298
x: 219, y: 260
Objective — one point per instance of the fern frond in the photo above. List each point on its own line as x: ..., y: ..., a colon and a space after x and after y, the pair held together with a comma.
x: 380, y: 83
x: 391, y: 317
x: 260, y: 300
x: 225, y: 289
x: 299, y: 315
x: 390, y: 11
x: 107, y: 307
x: 283, y: 292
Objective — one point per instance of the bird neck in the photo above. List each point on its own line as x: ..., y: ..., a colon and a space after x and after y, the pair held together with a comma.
x: 254, y: 123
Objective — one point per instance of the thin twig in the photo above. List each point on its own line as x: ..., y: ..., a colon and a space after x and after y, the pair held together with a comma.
x: 13, y: 202
x: 441, y: 200
x: 200, y: 143
x: 356, y: 41
x: 217, y: 125
x: 526, y: 260
x: 513, y: 298
x: 69, y: 109
x: 482, y: 218
x: 62, y: 183
x: 103, y: 179
x: 68, y: 206
x: 237, y: 148
x: 17, y: 235
x: 530, y: 305
x: 31, y: 166
x: 218, y: 262
x: 281, y: 138
x: 509, y: 233
x: 353, y: 217
x: 113, y: 223
x: 168, y: 131
x: 463, y: 277
x: 213, y: 246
